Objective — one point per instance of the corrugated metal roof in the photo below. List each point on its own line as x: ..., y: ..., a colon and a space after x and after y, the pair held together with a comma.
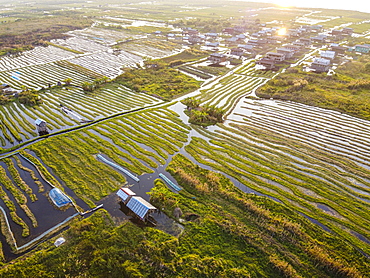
x: 39, y: 121
x: 124, y: 193
x: 139, y: 206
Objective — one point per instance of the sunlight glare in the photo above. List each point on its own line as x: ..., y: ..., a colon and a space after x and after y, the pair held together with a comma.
x: 282, y: 31
x: 284, y: 3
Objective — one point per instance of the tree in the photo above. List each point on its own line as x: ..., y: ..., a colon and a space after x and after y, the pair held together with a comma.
x: 67, y: 81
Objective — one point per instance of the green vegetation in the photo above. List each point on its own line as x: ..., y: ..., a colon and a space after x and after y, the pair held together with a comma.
x: 227, y: 234
x: 187, y: 55
x: 158, y: 80
x: 347, y: 91
x: 123, y: 140
x: 202, y: 115
x: 25, y: 34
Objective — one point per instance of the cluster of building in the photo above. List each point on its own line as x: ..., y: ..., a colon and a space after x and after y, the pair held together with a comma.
x: 288, y: 44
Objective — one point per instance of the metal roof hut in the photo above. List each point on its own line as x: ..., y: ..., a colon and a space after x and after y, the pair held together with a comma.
x: 41, y: 127
x: 125, y: 194
x: 140, y: 207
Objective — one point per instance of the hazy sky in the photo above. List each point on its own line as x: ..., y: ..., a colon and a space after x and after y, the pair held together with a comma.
x: 357, y: 5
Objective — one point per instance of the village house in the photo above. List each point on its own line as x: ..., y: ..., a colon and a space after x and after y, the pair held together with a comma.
x: 338, y: 49
x: 269, y: 64
x: 232, y: 41
x: 347, y: 31
x: 195, y: 39
x: 228, y: 30
x: 287, y: 52
x: 316, y: 28
x: 261, y: 42
x: 327, y: 54
x: 212, y: 44
x: 217, y: 58
x: 336, y: 32
x: 246, y: 47
x: 305, y: 41
x: 293, y: 47
x: 277, y: 57
x: 362, y: 48
x: 320, y: 65
x: 319, y: 38
x: 299, y: 44
x: 189, y: 31
x: 211, y: 35
x: 237, y: 51
x: 241, y: 37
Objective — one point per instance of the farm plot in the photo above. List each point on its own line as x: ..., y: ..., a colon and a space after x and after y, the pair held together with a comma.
x: 107, y: 64
x: 229, y: 90
x: 312, y: 160
x: 137, y: 142
x: 104, y: 36
x: 38, y: 55
x: 17, y: 120
x: 251, y: 70
x: 154, y: 48
x: 24, y: 201
x: 39, y: 76
x: 81, y: 44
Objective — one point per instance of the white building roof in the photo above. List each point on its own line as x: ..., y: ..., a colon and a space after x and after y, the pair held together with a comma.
x: 327, y: 54
x: 139, y: 206
x: 125, y: 193
x: 39, y: 121
x: 322, y: 61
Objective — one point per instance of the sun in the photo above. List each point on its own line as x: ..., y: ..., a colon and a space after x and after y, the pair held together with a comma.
x: 284, y: 3
x: 282, y: 31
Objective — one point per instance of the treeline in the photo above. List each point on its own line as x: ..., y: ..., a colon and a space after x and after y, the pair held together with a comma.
x: 346, y: 91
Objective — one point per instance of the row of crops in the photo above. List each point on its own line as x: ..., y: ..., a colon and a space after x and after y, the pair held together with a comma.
x: 152, y: 47
x: 38, y: 55
x: 107, y: 64
x: 250, y: 70
x: 138, y: 142
x: 17, y: 120
x: 226, y: 92
x: 312, y: 160
x: 39, y: 76
x: 81, y: 44
x: 229, y: 90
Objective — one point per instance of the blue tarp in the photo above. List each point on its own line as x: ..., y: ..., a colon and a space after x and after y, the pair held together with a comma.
x: 59, y: 198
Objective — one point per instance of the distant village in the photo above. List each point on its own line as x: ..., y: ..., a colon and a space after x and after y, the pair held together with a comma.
x: 273, y: 47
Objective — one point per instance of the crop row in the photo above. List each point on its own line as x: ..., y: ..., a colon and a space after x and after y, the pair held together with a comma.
x: 107, y: 64
x: 80, y: 44
x: 17, y: 120
x: 138, y: 142
x: 151, y: 48
x: 36, y: 56
x: 42, y: 76
x: 264, y: 153
x: 251, y: 70
x: 229, y: 90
